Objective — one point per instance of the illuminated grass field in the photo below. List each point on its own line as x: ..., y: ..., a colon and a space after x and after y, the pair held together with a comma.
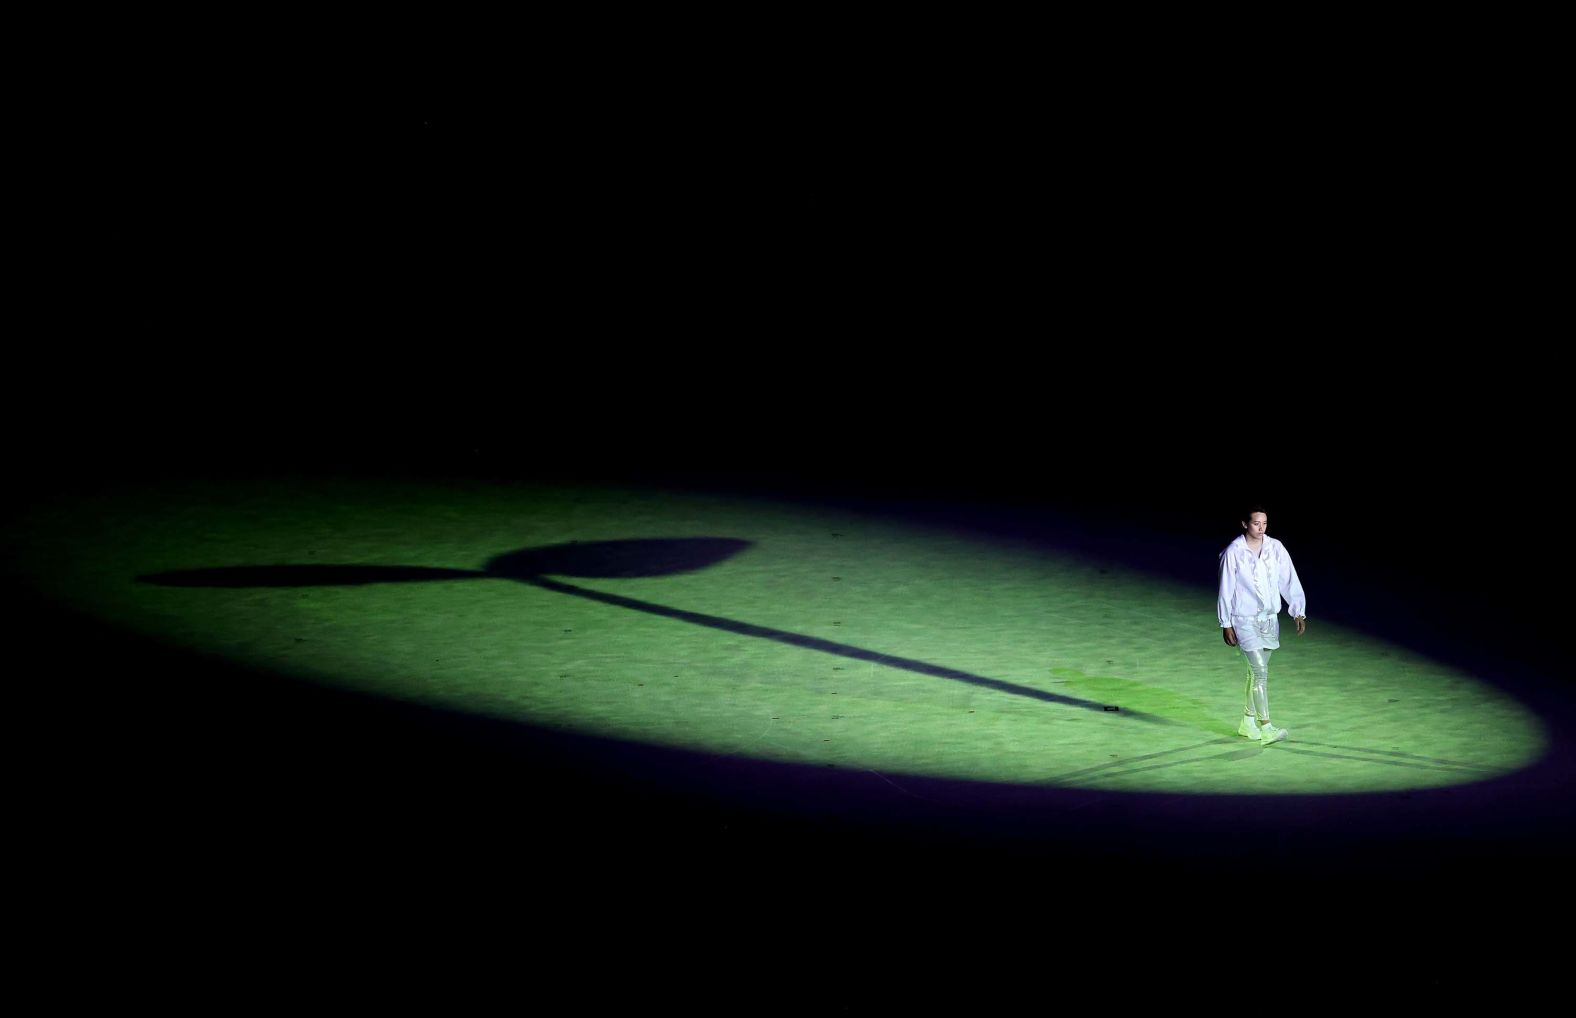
x: 746, y: 627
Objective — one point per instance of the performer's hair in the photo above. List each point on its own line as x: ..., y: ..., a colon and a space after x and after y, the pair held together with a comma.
x: 1254, y: 507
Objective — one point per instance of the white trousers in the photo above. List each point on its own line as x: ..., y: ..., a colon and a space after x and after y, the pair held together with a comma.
x: 1258, y: 636
x: 1258, y: 696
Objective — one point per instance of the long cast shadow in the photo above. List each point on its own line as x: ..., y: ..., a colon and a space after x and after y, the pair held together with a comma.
x: 604, y: 559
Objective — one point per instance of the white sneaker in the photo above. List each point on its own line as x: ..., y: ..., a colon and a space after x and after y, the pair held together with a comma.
x: 1269, y: 733
x: 1249, y: 728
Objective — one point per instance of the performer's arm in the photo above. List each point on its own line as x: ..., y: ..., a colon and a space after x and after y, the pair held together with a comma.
x: 1291, y: 590
x: 1228, y: 590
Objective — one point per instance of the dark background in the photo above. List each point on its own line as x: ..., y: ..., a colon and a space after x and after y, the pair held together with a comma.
x: 1135, y: 281
x: 1076, y: 293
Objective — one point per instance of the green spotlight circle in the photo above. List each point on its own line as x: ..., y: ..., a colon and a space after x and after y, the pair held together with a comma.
x: 743, y: 626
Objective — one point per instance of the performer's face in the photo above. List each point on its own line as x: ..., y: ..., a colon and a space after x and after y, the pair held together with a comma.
x: 1256, y: 526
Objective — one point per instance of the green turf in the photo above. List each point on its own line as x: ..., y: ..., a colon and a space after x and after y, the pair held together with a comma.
x: 1364, y: 715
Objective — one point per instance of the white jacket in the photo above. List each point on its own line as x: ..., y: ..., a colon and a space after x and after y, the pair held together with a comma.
x: 1250, y: 584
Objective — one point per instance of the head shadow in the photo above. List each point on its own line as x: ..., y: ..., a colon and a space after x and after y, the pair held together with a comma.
x: 648, y: 557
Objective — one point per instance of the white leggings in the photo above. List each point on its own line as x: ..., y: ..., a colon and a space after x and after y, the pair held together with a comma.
x: 1258, y: 698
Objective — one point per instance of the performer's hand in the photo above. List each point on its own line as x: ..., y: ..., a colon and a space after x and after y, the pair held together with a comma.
x: 1230, y: 636
x: 1302, y: 625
